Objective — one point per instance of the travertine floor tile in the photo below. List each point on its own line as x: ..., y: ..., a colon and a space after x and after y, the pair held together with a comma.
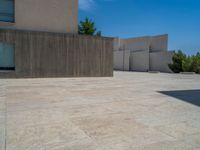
x: 167, y: 145
x: 125, y: 112
x: 179, y: 130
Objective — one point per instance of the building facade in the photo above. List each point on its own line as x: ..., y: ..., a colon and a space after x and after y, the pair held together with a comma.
x: 144, y: 54
x: 38, y: 38
x: 40, y: 15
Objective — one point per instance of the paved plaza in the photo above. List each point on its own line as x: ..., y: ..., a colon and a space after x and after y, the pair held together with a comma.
x: 131, y: 111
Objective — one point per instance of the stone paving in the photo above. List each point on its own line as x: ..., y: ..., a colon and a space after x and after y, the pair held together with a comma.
x: 139, y: 111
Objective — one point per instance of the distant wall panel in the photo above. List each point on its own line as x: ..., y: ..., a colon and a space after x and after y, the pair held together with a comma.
x: 159, y: 61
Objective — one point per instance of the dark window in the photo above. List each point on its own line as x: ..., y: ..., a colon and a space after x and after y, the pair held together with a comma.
x: 7, y: 11
x: 7, y: 56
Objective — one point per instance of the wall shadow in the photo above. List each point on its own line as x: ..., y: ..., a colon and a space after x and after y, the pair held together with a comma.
x: 190, y: 96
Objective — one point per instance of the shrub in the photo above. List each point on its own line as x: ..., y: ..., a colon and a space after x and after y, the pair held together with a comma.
x: 178, y: 59
x: 184, y: 63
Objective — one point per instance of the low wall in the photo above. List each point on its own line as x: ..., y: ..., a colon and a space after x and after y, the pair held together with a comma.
x: 42, y: 54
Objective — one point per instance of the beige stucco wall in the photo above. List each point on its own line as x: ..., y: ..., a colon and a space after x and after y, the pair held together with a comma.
x: 45, y: 15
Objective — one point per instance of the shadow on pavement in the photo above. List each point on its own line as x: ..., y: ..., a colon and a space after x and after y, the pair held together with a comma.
x: 190, y: 96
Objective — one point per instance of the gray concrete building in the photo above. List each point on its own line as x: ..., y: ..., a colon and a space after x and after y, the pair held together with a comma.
x: 149, y: 53
x: 39, y: 38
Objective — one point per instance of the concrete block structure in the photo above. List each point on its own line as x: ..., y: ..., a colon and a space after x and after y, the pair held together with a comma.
x: 39, y: 38
x: 148, y: 53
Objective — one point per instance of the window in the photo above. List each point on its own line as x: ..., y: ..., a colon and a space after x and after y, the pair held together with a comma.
x: 7, y: 11
x: 7, y: 56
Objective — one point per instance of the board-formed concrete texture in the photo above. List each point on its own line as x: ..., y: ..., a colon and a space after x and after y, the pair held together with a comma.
x: 132, y: 111
x: 45, y: 15
x: 44, y: 54
x: 140, y: 45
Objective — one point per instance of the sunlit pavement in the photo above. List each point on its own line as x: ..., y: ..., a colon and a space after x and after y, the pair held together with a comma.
x: 129, y: 111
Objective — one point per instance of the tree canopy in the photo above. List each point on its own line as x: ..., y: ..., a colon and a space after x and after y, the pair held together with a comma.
x: 87, y: 27
x: 184, y: 63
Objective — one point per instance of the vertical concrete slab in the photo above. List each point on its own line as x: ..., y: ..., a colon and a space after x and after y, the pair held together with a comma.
x: 159, y: 43
x: 139, y: 61
x: 127, y: 60
x: 122, y: 60
x: 118, y: 60
x: 159, y: 61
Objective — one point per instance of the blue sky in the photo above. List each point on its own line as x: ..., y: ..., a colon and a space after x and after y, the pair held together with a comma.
x: 132, y: 18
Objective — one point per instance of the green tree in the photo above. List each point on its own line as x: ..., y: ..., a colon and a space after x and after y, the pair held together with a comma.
x: 178, y: 59
x: 184, y: 63
x: 87, y: 27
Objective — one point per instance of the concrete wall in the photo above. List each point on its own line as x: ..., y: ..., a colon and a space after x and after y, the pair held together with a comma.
x: 152, y: 43
x: 159, y: 61
x: 142, y: 54
x: 139, y: 61
x: 45, y: 15
x: 116, y: 44
x: 42, y: 54
x: 118, y: 60
x: 159, y: 43
x: 122, y: 60
x: 135, y: 44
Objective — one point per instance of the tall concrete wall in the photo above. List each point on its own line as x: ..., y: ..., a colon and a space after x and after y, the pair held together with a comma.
x: 45, y: 15
x: 135, y: 44
x: 159, y: 61
x: 152, y: 43
x: 159, y: 43
x: 42, y: 54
